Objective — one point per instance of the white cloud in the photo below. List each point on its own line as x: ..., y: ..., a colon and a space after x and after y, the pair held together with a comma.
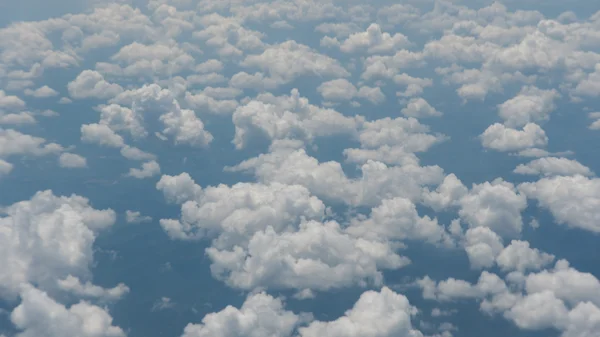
x: 501, y: 138
x: 290, y: 60
x: 148, y: 169
x: 374, y: 41
x: 288, y: 117
x: 342, y: 90
x: 5, y: 168
x: 419, y: 108
x: 101, y: 134
x: 260, y: 315
x: 13, y: 142
x: 520, y: 257
x: 136, y: 217
x: 234, y: 213
x: 91, y: 84
x: 293, y: 260
x: 482, y: 246
x: 530, y: 105
x: 375, y: 314
x: 46, y: 238
x: 573, y: 201
x: 397, y: 219
x: 40, y: 315
x: 133, y: 153
x: 10, y: 102
x: 328, y: 181
x: 497, y: 205
x: 552, y: 166
x: 74, y: 285
x: 42, y: 92
x: 71, y: 160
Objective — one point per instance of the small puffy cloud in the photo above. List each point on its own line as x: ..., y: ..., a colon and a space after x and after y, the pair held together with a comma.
x: 42, y: 92
x: 73, y: 285
x: 71, y: 160
x: 288, y: 117
x: 13, y: 142
x: 10, y: 102
x: 449, y: 193
x: 397, y: 219
x: 337, y: 90
x: 520, y: 256
x: 163, y: 303
x: 497, y: 205
x: 5, y: 167
x: 210, y: 66
x: 289, y: 60
x: 186, y: 128
x: 91, y: 84
x: 101, y: 134
x: 482, y: 246
x: 148, y: 169
x: 343, y: 90
x: 572, y: 200
x: 328, y: 181
x: 419, y: 108
x: 552, y: 166
x: 260, y: 315
x: 22, y: 117
x: 133, y: 153
x: 501, y: 138
x: 179, y: 189
x: 136, y: 217
x: 373, y: 41
x: 376, y: 314
x: 39, y: 315
x: 596, y: 123
x: 529, y: 106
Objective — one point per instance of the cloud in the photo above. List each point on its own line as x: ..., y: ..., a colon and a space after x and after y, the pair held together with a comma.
x: 384, y: 313
x: 552, y: 166
x: 572, y: 200
x: 71, y: 160
x: 74, y: 285
x: 40, y: 315
x: 420, y: 108
x: 288, y: 117
x: 529, y: 106
x: 342, y: 90
x: 149, y: 169
x: 497, y: 205
x: 291, y: 260
x: 501, y: 138
x: 42, y: 92
x: 13, y: 142
x: 136, y: 217
x: 373, y: 41
x: 10, y: 102
x: 91, y: 84
x: 328, y: 181
x: 260, y: 315
x: 31, y: 254
x: 101, y: 134
x: 5, y: 168
x: 290, y: 60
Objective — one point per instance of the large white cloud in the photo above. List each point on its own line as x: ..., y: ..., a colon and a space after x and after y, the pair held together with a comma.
x: 376, y: 314
x: 46, y: 238
x: 572, y: 200
x: 40, y: 315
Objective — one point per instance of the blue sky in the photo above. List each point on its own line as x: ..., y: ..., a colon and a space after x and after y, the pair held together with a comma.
x: 299, y: 168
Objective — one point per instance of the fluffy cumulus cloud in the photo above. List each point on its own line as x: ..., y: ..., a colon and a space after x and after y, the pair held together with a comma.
x: 40, y: 315
x: 48, y: 237
x: 563, y: 196
x: 383, y: 313
x: 301, y: 147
